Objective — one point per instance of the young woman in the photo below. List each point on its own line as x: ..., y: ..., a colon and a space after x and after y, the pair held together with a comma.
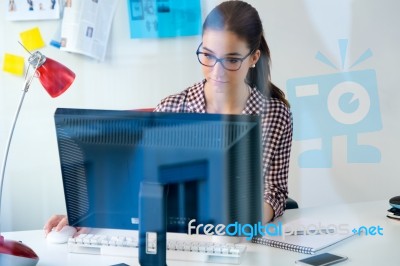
x: 235, y: 60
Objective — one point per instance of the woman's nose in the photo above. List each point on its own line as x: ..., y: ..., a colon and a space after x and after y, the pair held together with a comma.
x: 218, y: 69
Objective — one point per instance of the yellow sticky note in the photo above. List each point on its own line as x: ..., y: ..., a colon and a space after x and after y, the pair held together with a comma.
x: 14, y: 64
x: 32, y: 39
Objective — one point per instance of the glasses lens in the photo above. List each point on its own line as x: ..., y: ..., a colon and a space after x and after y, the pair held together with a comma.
x: 207, y: 59
x: 231, y: 63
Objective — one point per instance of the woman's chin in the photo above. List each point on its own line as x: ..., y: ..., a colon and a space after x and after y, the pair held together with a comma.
x: 218, y: 84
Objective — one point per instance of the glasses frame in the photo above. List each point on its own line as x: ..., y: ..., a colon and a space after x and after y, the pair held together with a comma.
x: 221, y: 60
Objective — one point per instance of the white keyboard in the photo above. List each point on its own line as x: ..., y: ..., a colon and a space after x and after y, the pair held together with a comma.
x: 179, y: 246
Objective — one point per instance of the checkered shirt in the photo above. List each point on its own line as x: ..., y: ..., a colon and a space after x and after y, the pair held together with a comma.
x: 277, y: 130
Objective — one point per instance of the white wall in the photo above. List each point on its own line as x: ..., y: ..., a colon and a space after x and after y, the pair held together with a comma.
x: 296, y: 31
x: 138, y: 73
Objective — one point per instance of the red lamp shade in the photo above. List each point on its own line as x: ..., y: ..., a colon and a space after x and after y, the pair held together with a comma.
x: 55, y: 77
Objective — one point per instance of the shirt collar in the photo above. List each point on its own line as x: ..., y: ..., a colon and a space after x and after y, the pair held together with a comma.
x: 196, y: 102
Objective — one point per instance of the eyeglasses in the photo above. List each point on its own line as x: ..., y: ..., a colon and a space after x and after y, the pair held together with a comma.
x: 229, y: 63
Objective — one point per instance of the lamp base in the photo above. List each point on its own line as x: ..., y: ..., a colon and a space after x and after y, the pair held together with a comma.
x: 15, y: 253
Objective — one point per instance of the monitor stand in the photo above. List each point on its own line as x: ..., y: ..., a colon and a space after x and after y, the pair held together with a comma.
x: 152, y: 224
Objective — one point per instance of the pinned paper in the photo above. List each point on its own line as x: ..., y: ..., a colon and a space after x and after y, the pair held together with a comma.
x: 164, y: 19
x: 32, y: 9
x: 14, y: 64
x: 32, y: 39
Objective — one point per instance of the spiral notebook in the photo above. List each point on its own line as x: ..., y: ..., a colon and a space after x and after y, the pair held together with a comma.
x: 304, y: 243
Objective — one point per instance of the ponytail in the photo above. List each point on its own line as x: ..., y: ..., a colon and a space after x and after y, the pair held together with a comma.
x: 260, y: 76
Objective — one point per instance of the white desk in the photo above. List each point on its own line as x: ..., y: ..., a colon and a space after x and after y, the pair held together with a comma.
x: 363, y: 250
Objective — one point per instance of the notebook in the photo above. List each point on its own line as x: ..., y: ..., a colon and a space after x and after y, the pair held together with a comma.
x: 308, y: 242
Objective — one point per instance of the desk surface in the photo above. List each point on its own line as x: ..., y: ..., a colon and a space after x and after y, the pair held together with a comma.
x: 362, y: 250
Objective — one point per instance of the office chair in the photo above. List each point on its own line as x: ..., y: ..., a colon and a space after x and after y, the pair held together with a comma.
x: 291, y: 204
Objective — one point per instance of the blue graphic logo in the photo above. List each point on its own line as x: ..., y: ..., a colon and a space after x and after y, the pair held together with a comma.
x: 369, y: 231
x: 339, y: 104
x: 279, y: 229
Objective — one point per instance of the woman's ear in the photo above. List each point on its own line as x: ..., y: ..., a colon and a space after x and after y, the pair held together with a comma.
x: 255, y: 56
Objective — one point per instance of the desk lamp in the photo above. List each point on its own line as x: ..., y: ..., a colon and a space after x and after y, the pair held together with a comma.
x: 56, y: 79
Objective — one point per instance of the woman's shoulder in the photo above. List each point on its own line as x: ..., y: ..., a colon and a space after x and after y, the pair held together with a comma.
x: 277, y: 105
x: 277, y: 114
x: 176, y: 102
x: 171, y: 102
x: 272, y: 106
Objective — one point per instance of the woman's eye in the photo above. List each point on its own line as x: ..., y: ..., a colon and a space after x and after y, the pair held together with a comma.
x: 232, y: 60
x: 209, y: 56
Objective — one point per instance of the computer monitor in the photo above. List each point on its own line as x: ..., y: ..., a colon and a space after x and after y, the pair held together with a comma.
x: 211, y: 162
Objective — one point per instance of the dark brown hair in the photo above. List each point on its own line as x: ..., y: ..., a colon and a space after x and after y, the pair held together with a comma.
x: 242, y: 19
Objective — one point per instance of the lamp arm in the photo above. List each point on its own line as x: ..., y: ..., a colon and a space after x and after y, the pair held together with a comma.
x: 27, y: 84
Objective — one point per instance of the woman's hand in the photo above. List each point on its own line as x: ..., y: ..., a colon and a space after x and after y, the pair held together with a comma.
x: 58, y: 222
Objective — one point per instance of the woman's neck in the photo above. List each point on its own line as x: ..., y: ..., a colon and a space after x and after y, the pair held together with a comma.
x: 228, y: 100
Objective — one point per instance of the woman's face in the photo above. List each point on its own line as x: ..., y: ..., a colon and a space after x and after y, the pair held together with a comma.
x: 226, y: 44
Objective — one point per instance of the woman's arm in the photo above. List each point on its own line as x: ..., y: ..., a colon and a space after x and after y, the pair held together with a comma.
x: 277, y: 139
x: 268, y: 214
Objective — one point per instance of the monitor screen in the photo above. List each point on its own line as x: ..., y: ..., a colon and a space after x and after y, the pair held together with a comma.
x: 211, y: 164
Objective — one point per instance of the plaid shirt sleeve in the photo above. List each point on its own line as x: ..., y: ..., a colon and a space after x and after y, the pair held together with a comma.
x: 277, y: 131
